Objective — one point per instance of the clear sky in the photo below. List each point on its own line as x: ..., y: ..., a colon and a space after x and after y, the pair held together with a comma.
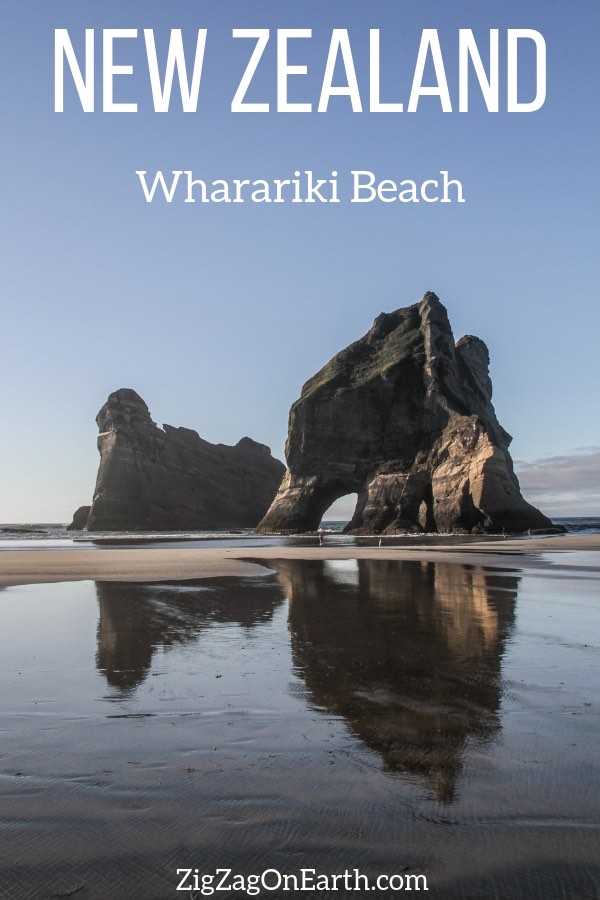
x: 217, y: 314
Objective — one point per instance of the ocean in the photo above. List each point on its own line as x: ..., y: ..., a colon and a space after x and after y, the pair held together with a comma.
x: 54, y: 535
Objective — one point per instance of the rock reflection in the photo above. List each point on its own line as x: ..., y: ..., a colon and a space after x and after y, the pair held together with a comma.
x: 409, y: 653
x: 135, y: 619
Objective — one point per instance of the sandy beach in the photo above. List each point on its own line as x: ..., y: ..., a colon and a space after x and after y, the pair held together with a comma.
x: 151, y: 564
x: 427, y: 711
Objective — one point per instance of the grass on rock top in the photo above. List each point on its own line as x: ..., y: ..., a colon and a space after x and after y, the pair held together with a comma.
x: 395, y: 339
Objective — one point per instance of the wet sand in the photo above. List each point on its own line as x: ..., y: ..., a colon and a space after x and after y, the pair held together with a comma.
x: 426, y: 712
x: 150, y: 564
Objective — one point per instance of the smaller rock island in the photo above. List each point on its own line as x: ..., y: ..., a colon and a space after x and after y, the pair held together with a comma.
x: 159, y: 479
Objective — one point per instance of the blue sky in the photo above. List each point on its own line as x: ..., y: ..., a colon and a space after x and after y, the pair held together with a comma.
x: 217, y: 314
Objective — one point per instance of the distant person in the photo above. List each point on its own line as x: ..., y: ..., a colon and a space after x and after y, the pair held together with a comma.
x: 381, y: 542
x: 320, y: 538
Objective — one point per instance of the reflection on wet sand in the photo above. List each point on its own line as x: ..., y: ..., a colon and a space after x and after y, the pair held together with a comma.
x: 318, y: 733
x: 408, y: 653
x: 135, y: 619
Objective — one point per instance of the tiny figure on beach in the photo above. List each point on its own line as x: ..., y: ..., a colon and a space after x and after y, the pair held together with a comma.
x: 381, y: 542
x: 320, y: 538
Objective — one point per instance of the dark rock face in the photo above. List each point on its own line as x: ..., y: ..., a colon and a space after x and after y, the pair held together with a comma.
x: 157, y: 479
x: 80, y: 517
x: 404, y: 418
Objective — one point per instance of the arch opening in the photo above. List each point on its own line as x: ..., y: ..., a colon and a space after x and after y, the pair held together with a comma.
x: 339, y: 513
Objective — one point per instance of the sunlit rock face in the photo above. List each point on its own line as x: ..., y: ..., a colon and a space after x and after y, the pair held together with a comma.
x: 404, y: 418
x: 155, y: 478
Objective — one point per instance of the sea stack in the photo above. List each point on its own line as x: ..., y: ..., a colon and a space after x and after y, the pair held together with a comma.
x: 80, y: 517
x: 404, y: 418
x: 157, y: 479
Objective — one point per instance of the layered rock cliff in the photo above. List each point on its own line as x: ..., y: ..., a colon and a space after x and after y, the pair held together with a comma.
x: 158, y: 479
x: 404, y: 418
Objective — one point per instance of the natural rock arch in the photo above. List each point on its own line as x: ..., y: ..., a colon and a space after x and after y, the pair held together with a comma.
x: 404, y: 418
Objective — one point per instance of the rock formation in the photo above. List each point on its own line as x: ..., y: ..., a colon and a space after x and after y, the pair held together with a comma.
x: 80, y: 517
x: 404, y: 418
x: 158, y: 479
